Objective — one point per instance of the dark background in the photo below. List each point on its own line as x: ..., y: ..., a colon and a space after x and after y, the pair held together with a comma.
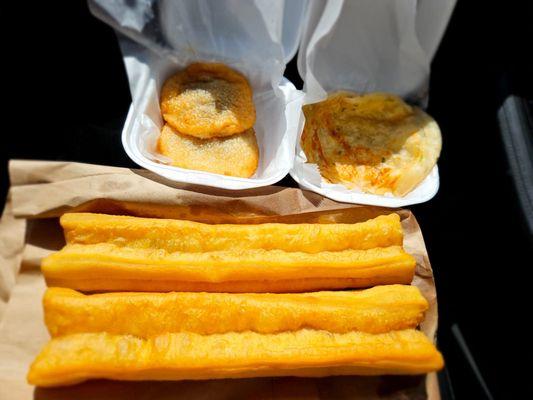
x: 66, y: 97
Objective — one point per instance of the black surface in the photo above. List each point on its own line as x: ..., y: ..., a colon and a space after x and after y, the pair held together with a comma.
x: 66, y: 97
x: 515, y: 119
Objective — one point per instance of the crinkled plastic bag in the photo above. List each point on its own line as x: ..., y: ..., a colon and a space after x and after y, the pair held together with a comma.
x: 158, y: 38
x: 359, y: 45
x: 369, y: 46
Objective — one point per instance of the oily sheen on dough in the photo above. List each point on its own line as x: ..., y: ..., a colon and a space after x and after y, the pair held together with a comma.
x: 374, y: 142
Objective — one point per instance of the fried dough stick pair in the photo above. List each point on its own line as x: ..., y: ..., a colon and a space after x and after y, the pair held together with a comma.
x: 222, y: 335
x: 114, y: 253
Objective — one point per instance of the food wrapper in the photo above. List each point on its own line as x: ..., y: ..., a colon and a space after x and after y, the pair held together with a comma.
x: 368, y: 46
x: 42, y: 190
x: 158, y: 38
x: 359, y: 45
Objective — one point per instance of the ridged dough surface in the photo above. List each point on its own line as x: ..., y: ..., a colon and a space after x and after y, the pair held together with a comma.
x: 187, y: 236
x: 376, y: 310
x: 177, y: 356
x: 95, y: 284
x: 76, y: 265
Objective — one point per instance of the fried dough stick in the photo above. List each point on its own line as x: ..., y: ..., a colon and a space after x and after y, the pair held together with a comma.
x: 177, y: 356
x: 376, y: 310
x: 107, y: 267
x: 187, y: 236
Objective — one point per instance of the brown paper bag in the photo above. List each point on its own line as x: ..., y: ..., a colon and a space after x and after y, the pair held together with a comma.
x: 41, y: 191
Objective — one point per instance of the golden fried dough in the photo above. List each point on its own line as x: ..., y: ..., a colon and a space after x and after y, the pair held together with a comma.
x: 376, y: 310
x: 208, y: 100
x: 108, y: 267
x: 187, y: 236
x: 236, y: 155
x: 373, y: 142
x: 176, y: 356
x: 112, y: 252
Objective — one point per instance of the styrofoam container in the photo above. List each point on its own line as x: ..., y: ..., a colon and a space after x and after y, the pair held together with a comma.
x: 359, y: 45
x: 368, y: 46
x: 256, y: 38
x: 422, y: 193
x: 276, y: 150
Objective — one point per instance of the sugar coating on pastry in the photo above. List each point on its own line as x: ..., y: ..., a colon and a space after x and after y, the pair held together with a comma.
x: 208, y: 100
x: 236, y: 155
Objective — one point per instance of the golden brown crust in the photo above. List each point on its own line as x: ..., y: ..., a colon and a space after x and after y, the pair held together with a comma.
x: 376, y: 310
x: 236, y: 155
x: 176, y: 356
x: 300, y: 285
x: 372, y: 142
x: 103, y: 267
x: 208, y: 100
x: 188, y: 236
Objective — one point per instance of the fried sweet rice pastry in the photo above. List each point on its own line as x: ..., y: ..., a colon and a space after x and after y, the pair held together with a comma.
x: 236, y: 155
x: 373, y: 142
x: 176, y: 356
x: 376, y: 310
x: 208, y: 100
x: 173, y: 235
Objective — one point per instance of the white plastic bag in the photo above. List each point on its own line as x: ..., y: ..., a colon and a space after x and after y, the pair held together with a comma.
x: 366, y: 46
x: 160, y: 37
x: 360, y: 45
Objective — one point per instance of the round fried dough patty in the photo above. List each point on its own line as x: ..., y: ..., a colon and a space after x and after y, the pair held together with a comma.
x: 373, y: 142
x: 236, y: 155
x: 208, y: 100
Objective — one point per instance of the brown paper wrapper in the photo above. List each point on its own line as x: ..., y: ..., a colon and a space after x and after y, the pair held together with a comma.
x: 29, y: 229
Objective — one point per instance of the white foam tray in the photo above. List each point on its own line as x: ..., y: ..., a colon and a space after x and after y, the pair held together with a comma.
x: 361, y: 46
